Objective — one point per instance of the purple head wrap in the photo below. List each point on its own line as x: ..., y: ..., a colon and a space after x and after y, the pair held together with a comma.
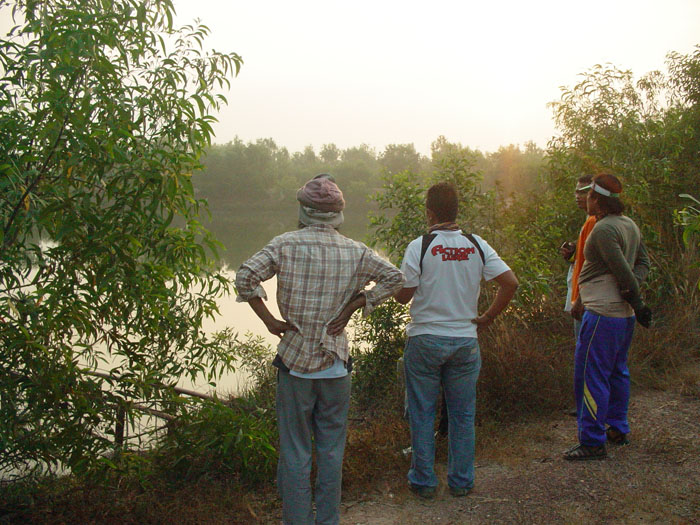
x: 321, y: 193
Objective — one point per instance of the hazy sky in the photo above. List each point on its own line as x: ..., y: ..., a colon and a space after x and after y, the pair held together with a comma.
x: 384, y: 71
x: 391, y: 72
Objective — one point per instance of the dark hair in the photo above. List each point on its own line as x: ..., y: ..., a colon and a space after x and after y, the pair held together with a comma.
x: 442, y: 199
x: 608, y: 205
x: 585, y: 179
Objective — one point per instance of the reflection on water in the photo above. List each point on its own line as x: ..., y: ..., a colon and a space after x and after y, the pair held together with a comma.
x: 242, y: 236
x: 241, y: 318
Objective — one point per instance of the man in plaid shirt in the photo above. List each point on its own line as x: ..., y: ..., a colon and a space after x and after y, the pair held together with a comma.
x: 321, y: 280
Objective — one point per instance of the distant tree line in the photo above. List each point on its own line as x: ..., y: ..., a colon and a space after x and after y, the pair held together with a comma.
x: 251, y: 186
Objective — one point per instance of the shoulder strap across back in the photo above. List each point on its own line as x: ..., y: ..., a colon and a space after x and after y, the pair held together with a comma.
x: 428, y: 238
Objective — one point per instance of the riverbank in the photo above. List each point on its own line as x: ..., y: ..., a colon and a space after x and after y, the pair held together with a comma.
x: 521, y: 478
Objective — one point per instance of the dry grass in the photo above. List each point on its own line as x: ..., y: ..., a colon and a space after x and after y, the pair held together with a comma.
x: 205, y: 502
x: 527, y: 367
x: 528, y: 364
x: 512, y: 445
x: 666, y: 354
x: 687, y: 381
x: 373, y: 454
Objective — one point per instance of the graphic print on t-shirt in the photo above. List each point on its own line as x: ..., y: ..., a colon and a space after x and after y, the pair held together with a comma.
x: 452, y: 254
x: 447, y: 291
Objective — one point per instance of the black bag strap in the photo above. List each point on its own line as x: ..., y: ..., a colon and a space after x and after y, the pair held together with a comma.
x: 428, y: 238
x: 478, y: 246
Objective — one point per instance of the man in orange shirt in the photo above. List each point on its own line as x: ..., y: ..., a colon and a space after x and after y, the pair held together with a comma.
x: 575, y: 306
x: 572, y: 252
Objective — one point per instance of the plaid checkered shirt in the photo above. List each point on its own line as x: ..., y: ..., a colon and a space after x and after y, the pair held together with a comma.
x: 318, y: 272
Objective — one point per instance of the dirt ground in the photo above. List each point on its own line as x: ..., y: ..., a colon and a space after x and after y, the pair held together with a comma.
x: 655, y: 479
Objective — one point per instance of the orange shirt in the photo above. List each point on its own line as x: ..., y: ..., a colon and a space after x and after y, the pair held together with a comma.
x: 578, y: 261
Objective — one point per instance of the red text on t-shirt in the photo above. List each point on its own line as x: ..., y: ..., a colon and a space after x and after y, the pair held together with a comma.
x: 452, y: 254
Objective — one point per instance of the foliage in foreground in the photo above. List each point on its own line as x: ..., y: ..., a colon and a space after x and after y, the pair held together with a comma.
x: 104, y: 113
x: 233, y: 440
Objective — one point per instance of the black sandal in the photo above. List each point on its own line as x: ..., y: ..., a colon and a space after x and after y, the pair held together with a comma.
x: 584, y: 453
x: 616, y: 437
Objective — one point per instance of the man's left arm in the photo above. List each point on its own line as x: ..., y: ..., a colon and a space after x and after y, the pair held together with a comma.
x: 337, y: 325
x: 640, y: 270
x: 388, y: 280
x: 611, y: 252
x: 641, y: 264
x: 628, y: 278
x: 507, y: 285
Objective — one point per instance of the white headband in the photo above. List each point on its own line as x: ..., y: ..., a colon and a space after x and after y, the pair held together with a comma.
x: 599, y: 189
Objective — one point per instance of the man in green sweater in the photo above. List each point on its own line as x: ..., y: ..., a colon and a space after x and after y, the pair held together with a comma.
x: 616, y: 262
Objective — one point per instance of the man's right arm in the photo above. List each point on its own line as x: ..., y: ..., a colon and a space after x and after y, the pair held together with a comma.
x: 404, y: 295
x: 567, y: 251
x: 258, y: 268
x: 410, y: 267
x: 273, y: 325
x: 577, y: 309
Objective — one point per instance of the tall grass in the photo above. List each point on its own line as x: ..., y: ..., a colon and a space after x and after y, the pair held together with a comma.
x: 528, y: 367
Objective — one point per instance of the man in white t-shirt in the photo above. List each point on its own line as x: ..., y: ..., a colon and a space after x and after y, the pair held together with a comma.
x: 443, y: 273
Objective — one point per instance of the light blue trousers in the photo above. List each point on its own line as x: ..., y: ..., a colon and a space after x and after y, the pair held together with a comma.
x: 455, y: 362
x: 311, y: 411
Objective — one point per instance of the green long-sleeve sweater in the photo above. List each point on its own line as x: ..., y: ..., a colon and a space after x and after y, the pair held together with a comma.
x: 615, y: 247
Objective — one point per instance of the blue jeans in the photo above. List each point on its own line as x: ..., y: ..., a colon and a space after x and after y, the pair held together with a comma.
x: 311, y: 412
x: 454, y: 361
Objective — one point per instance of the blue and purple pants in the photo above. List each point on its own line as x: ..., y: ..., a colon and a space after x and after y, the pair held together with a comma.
x: 601, y: 377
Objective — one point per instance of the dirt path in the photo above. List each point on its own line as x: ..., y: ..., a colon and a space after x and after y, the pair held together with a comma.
x: 656, y: 479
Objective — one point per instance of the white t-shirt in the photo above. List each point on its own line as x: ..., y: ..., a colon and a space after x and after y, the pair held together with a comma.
x: 445, y: 301
x: 569, y: 278
x: 336, y: 370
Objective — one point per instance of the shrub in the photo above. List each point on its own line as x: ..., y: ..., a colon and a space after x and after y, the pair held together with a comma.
x: 104, y: 114
x: 234, y: 439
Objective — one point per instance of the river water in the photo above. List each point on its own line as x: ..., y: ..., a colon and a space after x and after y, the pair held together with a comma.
x: 241, y: 318
x: 237, y: 316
